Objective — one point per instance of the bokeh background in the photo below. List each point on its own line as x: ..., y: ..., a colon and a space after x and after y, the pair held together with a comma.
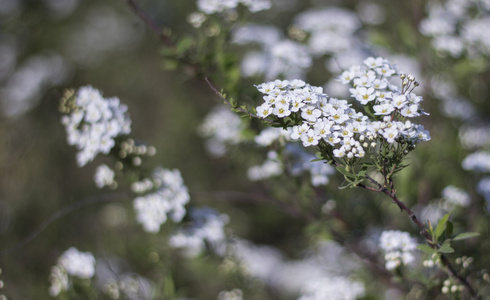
x: 49, y: 45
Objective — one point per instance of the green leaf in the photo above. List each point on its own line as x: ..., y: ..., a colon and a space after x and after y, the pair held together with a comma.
x: 346, y: 173
x: 349, y: 185
x: 441, y: 226
x: 449, y: 229
x: 426, y: 248
x: 465, y: 235
x: 184, y: 44
x: 446, y: 247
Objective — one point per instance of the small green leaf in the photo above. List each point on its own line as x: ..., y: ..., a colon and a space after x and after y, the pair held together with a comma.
x: 345, y: 172
x: 426, y: 248
x: 449, y: 228
x: 349, y: 185
x: 446, y: 247
x: 441, y: 226
x: 431, y: 229
x: 465, y: 235
x: 184, y: 44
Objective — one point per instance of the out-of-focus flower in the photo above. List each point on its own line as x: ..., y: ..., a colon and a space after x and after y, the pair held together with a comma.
x: 458, y: 27
x: 218, y: 6
x: 270, y: 168
x: 207, y: 227
x: 25, y: 87
x: 94, y: 123
x: 104, y: 176
x: 71, y: 263
x: 456, y: 196
x: 477, y: 162
x: 168, y: 200
x: 223, y: 128
x: 235, y: 294
x: 341, y: 288
x: 331, y: 29
x: 398, y: 248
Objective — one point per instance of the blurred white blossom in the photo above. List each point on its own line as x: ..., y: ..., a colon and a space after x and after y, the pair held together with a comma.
x: 398, y: 248
x: 104, y: 176
x: 271, y: 167
x: 26, y: 86
x: 458, y: 27
x: 94, y: 124
x: 331, y: 29
x: 168, y: 200
x: 71, y: 263
x: 456, y: 196
x: 217, y: 6
x: 207, y: 227
x: 223, y: 128
x: 477, y: 162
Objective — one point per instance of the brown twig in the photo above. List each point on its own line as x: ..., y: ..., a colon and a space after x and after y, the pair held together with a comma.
x: 150, y: 24
x: 229, y: 103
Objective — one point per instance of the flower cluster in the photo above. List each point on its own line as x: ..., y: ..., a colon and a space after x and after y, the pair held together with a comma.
x: 398, y: 248
x: 217, y: 6
x: 456, y: 28
x: 295, y: 159
x: 301, y: 161
x: 341, y: 288
x: 477, y: 162
x: 169, y: 197
x: 93, y: 123
x: 104, y: 176
x: 219, y: 136
x: 317, y: 118
x: 71, y: 263
x: 235, y: 294
x: 271, y: 167
x: 330, y: 30
x: 455, y: 196
x: 207, y: 227
x: 277, y: 55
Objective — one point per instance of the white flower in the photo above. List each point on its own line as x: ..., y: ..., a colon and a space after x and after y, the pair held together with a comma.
x: 76, y: 263
x: 338, y: 288
x: 270, y: 168
x: 219, y: 136
x: 477, y: 162
x: 104, y: 176
x: 207, y: 227
x: 398, y: 247
x: 399, y: 100
x: 71, y: 263
x: 390, y: 134
x: 168, y: 200
x: 383, y: 109
x: 456, y: 196
x: 95, y: 124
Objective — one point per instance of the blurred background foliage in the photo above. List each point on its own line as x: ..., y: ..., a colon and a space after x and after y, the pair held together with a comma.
x: 47, y: 46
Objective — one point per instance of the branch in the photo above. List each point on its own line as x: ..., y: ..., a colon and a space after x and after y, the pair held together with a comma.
x: 150, y: 24
x: 229, y: 103
x: 61, y: 213
x: 423, y: 232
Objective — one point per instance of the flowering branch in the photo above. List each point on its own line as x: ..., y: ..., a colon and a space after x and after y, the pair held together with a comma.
x: 423, y: 231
